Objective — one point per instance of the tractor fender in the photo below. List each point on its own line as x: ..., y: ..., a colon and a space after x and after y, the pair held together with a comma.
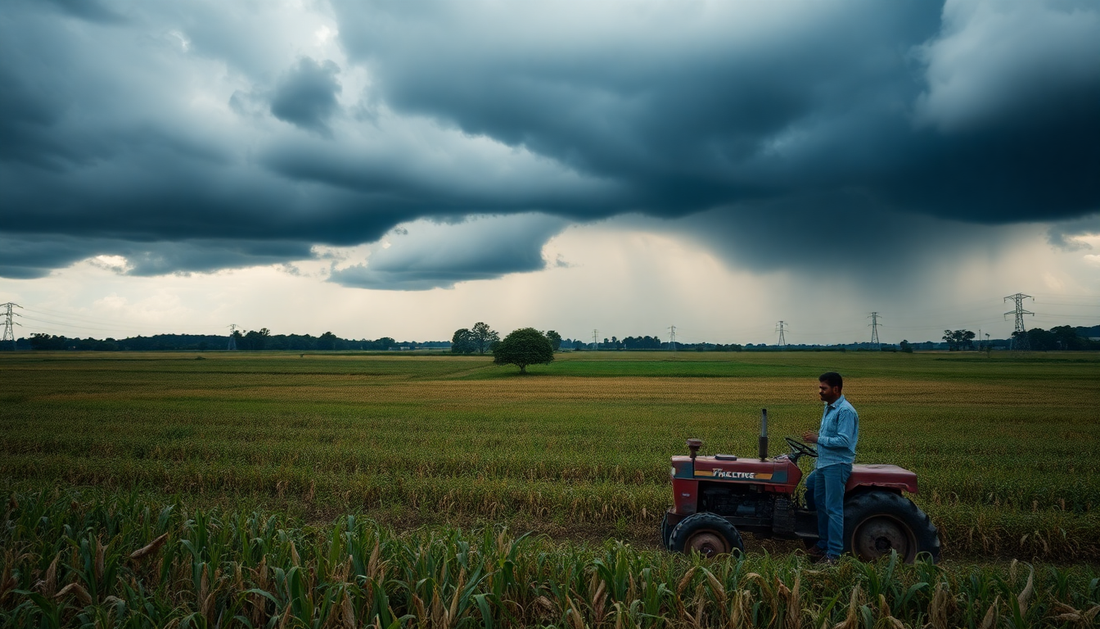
x: 877, y: 476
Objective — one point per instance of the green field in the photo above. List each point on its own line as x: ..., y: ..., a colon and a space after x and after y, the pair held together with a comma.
x: 1007, y: 448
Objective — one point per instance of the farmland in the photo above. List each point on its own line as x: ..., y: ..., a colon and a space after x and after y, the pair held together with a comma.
x: 1007, y: 449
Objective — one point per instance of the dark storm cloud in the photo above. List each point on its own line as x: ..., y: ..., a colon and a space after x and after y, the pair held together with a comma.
x: 28, y: 257
x: 824, y: 103
x: 306, y: 95
x: 1063, y: 234
x: 894, y: 118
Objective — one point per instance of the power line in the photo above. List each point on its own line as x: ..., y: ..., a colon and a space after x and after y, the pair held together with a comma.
x: 63, y: 324
x: 105, y: 323
x: 781, y: 327
x: 10, y: 322
x: 1019, y: 336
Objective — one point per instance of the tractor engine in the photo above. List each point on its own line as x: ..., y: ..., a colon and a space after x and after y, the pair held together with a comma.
x: 758, y: 511
x: 736, y: 501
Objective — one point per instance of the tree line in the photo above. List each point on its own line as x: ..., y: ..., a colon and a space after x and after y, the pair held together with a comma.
x: 1058, y: 338
x: 251, y: 340
x: 481, y: 339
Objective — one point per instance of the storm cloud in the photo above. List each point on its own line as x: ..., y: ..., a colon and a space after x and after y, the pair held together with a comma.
x: 197, y: 136
x: 306, y: 95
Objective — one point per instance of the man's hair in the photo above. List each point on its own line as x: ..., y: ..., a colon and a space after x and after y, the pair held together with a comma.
x: 832, y: 379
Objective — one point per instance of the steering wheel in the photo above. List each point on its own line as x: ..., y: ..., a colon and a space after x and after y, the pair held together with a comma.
x: 800, y: 449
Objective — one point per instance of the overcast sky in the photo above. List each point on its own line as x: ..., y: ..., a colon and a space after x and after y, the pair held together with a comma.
x: 405, y: 168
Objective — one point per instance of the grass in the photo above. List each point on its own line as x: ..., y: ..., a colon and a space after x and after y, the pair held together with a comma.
x: 1007, y: 450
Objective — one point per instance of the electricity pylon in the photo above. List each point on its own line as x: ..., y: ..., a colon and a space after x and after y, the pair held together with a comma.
x: 1019, y: 336
x: 874, y: 331
x: 781, y: 327
x: 10, y: 322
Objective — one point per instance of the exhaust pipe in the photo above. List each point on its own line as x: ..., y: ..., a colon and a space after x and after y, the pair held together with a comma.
x: 693, y: 447
x: 763, y: 434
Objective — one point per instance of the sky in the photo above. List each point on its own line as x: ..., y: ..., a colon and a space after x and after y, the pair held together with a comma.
x: 407, y: 168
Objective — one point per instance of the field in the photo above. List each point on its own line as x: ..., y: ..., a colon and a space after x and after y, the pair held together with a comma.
x: 1007, y: 449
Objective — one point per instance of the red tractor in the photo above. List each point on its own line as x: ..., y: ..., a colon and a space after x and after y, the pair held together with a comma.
x: 716, y: 498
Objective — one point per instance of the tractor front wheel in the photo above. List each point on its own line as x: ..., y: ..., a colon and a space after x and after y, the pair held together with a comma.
x: 707, y: 534
x: 877, y: 522
x: 666, y: 531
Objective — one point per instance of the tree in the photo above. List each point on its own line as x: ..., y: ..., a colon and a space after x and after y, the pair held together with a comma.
x: 463, y: 342
x: 484, y: 336
x: 256, y: 339
x: 959, y: 339
x: 1041, y: 340
x: 555, y: 339
x: 906, y: 347
x: 327, y: 341
x: 525, y: 346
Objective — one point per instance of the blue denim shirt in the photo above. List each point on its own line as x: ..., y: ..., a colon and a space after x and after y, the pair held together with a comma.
x: 836, y: 441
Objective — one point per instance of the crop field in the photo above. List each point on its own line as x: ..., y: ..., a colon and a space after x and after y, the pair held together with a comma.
x: 311, y: 490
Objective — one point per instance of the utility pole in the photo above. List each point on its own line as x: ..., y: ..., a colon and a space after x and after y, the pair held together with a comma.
x: 672, y: 337
x: 595, y: 339
x: 232, y: 337
x: 1019, y: 336
x: 781, y: 327
x: 874, y: 331
x: 10, y: 322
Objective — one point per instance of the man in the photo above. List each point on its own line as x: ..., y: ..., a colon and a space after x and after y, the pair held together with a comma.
x: 836, y: 450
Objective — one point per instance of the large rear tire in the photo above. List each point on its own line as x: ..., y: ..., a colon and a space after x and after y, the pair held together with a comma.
x: 877, y: 522
x: 707, y: 534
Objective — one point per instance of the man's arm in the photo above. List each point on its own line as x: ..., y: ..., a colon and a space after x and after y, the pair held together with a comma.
x: 845, y: 431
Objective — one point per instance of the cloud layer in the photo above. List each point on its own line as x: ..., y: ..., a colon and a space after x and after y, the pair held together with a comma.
x: 203, y: 135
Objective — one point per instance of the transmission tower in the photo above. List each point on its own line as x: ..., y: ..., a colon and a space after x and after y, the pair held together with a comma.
x: 9, y: 322
x: 874, y: 330
x: 672, y: 337
x: 232, y: 337
x: 781, y: 327
x: 595, y: 339
x: 1019, y: 336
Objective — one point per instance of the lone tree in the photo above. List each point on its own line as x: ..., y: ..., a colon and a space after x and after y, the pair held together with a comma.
x: 484, y: 336
x: 525, y: 346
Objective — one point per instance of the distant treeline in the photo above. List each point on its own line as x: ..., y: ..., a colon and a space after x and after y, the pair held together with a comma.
x: 253, y: 340
x: 1064, y: 337
x: 1055, y: 339
x: 647, y: 343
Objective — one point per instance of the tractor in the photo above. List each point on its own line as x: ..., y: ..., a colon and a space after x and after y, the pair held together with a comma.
x: 717, y: 498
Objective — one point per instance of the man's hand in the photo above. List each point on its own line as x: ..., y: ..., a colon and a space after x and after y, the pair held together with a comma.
x: 810, y: 437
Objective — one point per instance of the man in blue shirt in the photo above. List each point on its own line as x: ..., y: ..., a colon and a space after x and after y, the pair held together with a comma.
x: 836, y: 451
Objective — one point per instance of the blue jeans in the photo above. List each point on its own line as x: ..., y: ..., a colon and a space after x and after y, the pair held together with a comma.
x: 825, y: 487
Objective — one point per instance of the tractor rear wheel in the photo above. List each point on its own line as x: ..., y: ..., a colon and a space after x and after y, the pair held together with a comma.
x: 877, y: 522
x: 707, y: 534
